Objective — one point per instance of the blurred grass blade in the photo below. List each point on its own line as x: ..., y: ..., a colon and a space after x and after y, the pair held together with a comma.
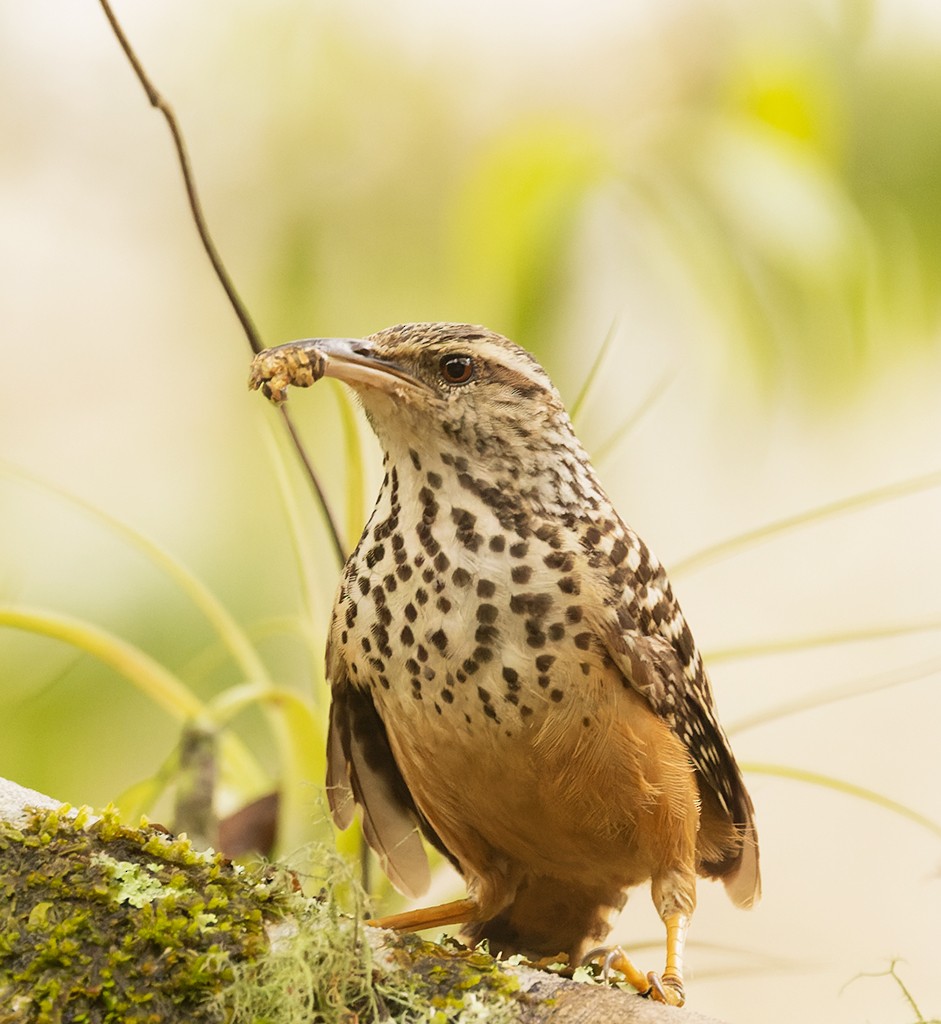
x: 214, y: 655
x: 795, y: 644
x: 148, y: 675
x: 296, y: 530
x: 593, y: 372
x: 602, y: 450
x: 834, y: 694
x: 227, y: 628
x: 866, y: 499
x: 353, y: 461
x: 846, y: 788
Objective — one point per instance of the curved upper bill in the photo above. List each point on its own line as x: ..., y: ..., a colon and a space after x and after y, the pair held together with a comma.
x: 355, y: 362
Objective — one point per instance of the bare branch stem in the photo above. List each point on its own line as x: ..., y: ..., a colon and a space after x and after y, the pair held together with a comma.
x: 157, y: 101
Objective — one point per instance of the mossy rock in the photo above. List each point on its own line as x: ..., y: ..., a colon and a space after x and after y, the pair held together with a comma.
x: 101, y: 922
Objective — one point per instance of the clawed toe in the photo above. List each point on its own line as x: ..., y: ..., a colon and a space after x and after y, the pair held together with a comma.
x: 668, y: 989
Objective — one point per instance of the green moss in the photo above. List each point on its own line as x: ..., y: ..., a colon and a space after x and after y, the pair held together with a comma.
x: 104, y: 923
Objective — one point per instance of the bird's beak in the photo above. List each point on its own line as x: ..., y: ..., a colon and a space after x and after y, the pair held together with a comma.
x: 354, y: 361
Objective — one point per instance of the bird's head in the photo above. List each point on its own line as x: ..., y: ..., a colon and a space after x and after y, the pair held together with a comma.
x: 432, y: 387
x: 452, y: 394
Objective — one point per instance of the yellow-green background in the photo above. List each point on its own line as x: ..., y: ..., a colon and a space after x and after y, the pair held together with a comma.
x: 746, y: 197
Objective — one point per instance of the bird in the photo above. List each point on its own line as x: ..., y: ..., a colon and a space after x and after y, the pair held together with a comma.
x: 512, y: 678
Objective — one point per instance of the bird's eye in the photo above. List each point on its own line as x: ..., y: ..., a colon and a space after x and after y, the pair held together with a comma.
x: 457, y: 369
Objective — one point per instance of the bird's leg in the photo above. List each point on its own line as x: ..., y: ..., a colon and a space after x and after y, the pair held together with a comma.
x: 456, y: 912
x: 672, y: 977
x: 665, y: 988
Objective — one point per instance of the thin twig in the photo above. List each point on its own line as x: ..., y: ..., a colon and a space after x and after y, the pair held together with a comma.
x: 157, y: 101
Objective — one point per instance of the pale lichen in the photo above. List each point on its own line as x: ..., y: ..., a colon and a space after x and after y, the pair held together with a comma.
x: 101, y: 922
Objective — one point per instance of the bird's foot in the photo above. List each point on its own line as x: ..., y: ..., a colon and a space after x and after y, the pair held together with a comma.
x: 666, y: 988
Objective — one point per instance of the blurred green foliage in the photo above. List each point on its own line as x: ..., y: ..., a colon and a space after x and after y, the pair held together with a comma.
x: 774, y: 168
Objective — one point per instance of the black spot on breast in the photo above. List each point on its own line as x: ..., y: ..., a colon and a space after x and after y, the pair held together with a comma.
x: 439, y: 639
x: 535, y: 605
x: 573, y: 613
x: 486, y: 634
x: 585, y: 667
x: 618, y: 552
x: 544, y: 662
x: 426, y: 539
x: 487, y: 614
x: 569, y: 585
x: 416, y: 461
x: 521, y: 573
x: 404, y: 572
x: 483, y: 654
x: 519, y: 549
x: 366, y: 644
x: 525, y: 711
x: 583, y: 641
x: 497, y: 543
x: 490, y: 712
x: 389, y: 583
x: 434, y: 479
x: 564, y: 561
x: 486, y: 588
x: 381, y: 636
x: 421, y: 595
x: 447, y: 696
x: 374, y: 555
x: 363, y: 585
x: 406, y: 636
x: 410, y: 612
x: 412, y: 667
x: 556, y: 631
x: 421, y: 652
x: 428, y: 574
x: 442, y: 562
x: 592, y: 536
x: 550, y: 534
x: 461, y: 577
x: 535, y: 637
x: 463, y: 519
x: 556, y: 695
x: 511, y: 676
x: 543, y: 681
